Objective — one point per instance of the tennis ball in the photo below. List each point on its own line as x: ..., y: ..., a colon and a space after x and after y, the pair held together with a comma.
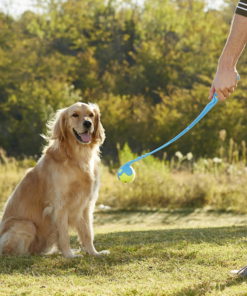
x: 126, y: 174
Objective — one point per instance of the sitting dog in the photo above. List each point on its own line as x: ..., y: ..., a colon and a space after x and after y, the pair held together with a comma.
x: 60, y: 191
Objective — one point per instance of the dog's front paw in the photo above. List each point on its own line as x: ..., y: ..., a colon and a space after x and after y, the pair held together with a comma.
x: 72, y: 255
x: 102, y: 253
x: 77, y: 256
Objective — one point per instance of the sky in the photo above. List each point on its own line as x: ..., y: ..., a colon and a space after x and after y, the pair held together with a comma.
x: 17, y: 7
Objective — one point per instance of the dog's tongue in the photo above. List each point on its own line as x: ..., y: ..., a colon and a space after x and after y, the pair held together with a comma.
x: 86, y: 137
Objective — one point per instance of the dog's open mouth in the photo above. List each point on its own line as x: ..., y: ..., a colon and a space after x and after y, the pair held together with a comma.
x: 85, y: 137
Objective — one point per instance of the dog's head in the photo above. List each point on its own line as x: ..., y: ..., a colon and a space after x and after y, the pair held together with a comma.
x: 80, y: 122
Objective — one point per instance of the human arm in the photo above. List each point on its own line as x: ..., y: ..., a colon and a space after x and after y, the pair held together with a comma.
x: 225, y: 80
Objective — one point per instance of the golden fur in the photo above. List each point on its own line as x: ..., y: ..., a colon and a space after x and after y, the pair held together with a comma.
x: 60, y: 191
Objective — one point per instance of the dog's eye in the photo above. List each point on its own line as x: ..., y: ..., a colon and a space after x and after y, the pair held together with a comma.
x: 75, y: 115
x: 91, y: 115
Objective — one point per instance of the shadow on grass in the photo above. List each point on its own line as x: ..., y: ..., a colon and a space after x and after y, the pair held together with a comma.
x: 202, y: 289
x: 126, y: 247
x: 161, y: 216
x: 118, y: 215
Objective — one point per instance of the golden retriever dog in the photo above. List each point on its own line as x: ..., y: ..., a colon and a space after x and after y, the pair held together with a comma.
x: 60, y: 191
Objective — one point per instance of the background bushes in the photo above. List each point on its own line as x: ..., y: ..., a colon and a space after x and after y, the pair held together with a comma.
x: 148, y: 66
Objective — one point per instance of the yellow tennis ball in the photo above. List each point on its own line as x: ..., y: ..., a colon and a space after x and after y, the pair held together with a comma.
x: 126, y: 174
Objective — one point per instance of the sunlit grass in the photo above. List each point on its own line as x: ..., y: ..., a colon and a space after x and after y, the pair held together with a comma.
x: 152, y: 253
x: 181, y: 251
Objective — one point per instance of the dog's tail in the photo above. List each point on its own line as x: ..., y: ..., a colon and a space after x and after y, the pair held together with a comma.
x: 16, y: 236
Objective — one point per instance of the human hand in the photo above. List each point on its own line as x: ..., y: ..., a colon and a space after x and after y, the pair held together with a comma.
x: 224, y: 83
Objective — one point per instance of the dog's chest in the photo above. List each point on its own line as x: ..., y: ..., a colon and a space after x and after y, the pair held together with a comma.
x: 81, y: 189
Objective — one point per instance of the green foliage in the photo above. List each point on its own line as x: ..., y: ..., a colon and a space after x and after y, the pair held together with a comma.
x: 148, y: 66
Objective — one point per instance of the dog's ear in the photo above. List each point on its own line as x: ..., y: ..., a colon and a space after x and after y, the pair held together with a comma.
x: 57, y: 126
x: 99, y: 131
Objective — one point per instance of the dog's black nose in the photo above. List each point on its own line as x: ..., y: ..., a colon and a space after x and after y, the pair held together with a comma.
x: 87, y: 124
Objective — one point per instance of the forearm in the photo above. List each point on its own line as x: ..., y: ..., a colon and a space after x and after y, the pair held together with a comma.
x: 225, y: 80
x: 236, y: 41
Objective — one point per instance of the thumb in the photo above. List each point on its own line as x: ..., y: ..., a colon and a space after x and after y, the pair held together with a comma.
x: 211, y: 92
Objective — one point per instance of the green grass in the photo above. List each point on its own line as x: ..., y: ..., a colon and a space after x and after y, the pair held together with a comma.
x: 167, y: 252
x: 182, y: 252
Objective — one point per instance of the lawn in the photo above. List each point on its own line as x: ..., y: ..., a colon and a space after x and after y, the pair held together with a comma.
x: 179, y: 252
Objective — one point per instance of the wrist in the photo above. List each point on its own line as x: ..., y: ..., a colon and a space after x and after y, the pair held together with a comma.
x: 227, y: 64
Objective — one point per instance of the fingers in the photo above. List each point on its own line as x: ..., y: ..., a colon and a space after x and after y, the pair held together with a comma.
x: 224, y: 83
x: 221, y: 95
x: 224, y: 93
